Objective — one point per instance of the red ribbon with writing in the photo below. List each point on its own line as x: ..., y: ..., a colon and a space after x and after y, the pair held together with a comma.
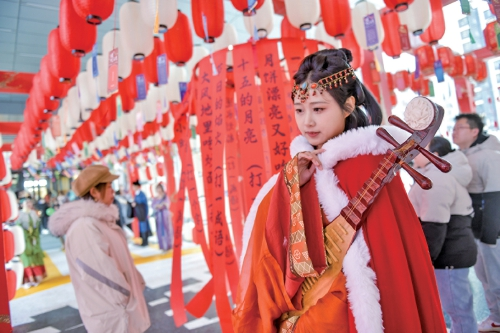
x: 233, y: 171
x: 177, y: 298
x: 273, y: 95
x: 252, y: 163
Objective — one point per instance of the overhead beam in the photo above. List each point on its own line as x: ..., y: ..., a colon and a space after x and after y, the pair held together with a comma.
x: 6, y: 147
x: 10, y: 127
x: 16, y: 82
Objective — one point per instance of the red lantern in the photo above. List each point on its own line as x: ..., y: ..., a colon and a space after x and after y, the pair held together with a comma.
x: 94, y: 11
x: 43, y: 102
x: 151, y: 61
x: 242, y: 6
x: 289, y: 31
x: 63, y: 65
x: 471, y: 65
x: 76, y: 34
x: 490, y: 36
x: 336, y: 17
x: 398, y: 5
x: 458, y: 68
x: 482, y: 71
x: 126, y: 89
x: 349, y: 42
x: 402, y: 80
x: 445, y: 54
x: 436, y: 30
x: 213, y: 11
x: 425, y: 56
x: 392, y: 41
x: 108, y: 111
x: 179, y: 41
x: 390, y: 81
x: 51, y: 86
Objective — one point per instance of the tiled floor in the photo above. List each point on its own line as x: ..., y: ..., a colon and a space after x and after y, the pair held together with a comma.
x: 52, y: 308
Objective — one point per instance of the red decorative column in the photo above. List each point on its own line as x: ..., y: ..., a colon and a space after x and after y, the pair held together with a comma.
x: 5, y: 324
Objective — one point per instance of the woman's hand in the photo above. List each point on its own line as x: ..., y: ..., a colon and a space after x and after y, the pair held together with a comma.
x: 307, y: 163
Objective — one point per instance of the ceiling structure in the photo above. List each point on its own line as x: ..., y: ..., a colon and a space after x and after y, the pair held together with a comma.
x: 24, y: 29
x: 25, y: 26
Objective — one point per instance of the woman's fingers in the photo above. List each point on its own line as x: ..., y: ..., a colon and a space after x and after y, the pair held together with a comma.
x: 311, y: 156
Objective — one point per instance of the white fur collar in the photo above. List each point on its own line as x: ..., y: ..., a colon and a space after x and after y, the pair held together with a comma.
x: 360, y: 141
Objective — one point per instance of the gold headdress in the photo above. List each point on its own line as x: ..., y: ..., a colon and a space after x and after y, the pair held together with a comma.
x: 332, y: 81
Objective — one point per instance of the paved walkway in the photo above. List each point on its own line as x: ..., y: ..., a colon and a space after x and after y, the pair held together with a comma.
x: 51, y: 307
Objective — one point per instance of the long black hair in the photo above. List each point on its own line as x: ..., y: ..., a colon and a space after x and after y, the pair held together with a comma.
x: 440, y: 145
x: 324, y: 63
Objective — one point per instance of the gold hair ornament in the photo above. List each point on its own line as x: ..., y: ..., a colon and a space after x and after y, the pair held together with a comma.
x: 332, y: 81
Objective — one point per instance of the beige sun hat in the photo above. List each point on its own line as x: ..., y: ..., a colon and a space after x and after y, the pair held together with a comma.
x: 90, y: 177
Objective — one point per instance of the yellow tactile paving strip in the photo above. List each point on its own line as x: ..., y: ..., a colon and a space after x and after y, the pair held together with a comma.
x: 55, y: 278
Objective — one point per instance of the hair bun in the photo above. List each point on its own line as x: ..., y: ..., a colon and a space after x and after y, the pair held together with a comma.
x: 347, y: 54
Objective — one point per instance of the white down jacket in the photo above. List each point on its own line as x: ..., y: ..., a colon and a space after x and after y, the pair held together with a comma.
x: 108, y: 287
x: 448, y: 195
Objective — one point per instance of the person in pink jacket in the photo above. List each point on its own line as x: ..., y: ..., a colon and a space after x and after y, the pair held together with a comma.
x: 108, y: 286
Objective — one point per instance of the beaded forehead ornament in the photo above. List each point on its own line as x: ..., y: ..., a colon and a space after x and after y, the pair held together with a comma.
x: 333, y: 81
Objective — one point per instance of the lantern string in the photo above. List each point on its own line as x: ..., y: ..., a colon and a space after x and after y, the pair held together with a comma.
x: 205, y: 30
x: 114, y: 27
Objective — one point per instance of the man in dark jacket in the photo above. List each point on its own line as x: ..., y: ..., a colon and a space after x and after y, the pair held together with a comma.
x: 483, y: 152
x: 141, y: 212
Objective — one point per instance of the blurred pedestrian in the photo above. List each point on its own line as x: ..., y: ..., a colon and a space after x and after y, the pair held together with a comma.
x: 161, y: 205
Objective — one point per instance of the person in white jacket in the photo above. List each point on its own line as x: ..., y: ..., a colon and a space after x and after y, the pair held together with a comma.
x: 445, y: 212
x: 108, y: 287
x: 483, y: 152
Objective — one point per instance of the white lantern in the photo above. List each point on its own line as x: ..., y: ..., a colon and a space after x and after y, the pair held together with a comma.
x: 88, y: 93
x: 112, y: 40
x: 101, y: 80
x: 365, y: 15
x: 137, y: 36
x: 417, y: 17
x: 167, y: 13
x: 321, y: 35
x: 8, y: 175
x: 229, y: 37
x: 17, y: 232
x: 167, y: 133
x: 150, y: 105
x: 302, y: 14
x: 262, y: 21
x: 49, y: 141
x: 72, y: 109
x: 163, y: 98
x: 177, y: 75
x: 14, y: 208
x: 199, y: 52
x: 18, y: 268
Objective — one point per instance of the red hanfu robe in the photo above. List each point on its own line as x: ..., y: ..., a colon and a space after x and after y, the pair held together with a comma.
x: 387, y: 283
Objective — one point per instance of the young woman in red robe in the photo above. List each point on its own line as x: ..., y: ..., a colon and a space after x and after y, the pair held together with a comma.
x: 387, y: 282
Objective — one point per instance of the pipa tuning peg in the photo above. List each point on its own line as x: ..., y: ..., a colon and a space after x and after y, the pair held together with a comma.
x: 398, y: 122
x: 382, y: 132
x: 420, y: 179
x: 441, y: 164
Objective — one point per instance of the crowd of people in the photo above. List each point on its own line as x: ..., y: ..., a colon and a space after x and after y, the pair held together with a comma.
x: 34, y: 217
